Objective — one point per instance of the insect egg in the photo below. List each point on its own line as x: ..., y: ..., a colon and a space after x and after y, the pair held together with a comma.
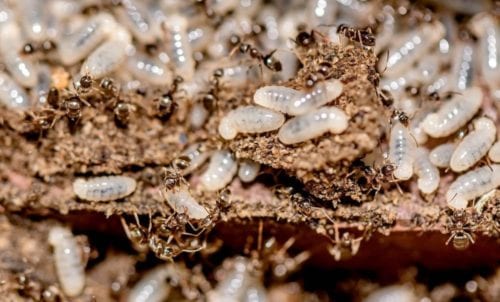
x: 248, y: 170
x: 310, y: 125
x: 473, y: 184
x: 401, y: 151
x: 428, y: 174
x: 68, y: 260
x: 104, y: 188
x: 494, y: 153
x: 220, y: 171
x: 295, y: 102
x: 249, y: 119
x: 440, y: 156
x: 474, y: 146
x: 198, y: 115
x: 454, y: 113
x: 392, y: 293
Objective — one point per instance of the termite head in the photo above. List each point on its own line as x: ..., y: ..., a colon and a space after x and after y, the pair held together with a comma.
x: 108, y: 86
x: 122, y: 113
x: 305, y: 39
x: 412, y: 90
x: 166, y: 106
x: 311, y: 80
x: 324, y: 68
x: 73, y: 106
x: 28, y: 49
x: 53, y: 97
x: 400, y: 116
x: 271, y: 62
x: 387, y: 170
x: 85, y: 82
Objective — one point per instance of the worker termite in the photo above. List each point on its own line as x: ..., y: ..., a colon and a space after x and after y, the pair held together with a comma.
x: 364, y: 36
x: 345, y: 246
x: 401, y: 151
x: 472, y: 185
x: 104, y: 188
x: 249, y: 119
x: 68, y: 261
x: 294, y: 102
x: 43, y: 120
x: 313, y: 124
x: 220, y: 171
x: 136, y: 233
x: 428, y: 174
x: 460, y: 230
x: 453, y: 114
x: 268, y: 60
x: 173, y: 178
x: 474, y: 146
x: 73, y: 107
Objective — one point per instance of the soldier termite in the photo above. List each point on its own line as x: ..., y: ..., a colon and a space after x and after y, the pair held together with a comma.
x: 104, y: 188
x: 68, y: 261
x: 472, y: 185
x: 474, y: 146
x: 294, y: 102
x: 249, y: 119
x: 313, y: 124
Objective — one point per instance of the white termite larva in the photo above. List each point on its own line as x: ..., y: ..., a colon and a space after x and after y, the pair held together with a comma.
x: 197, y: 156
x: 440, y: 156
x: 294, y: 102
x: 33, y: 17
x: 198, y: 115
x: 108, y: 56
x: 68, y: 260
x: 310, y: 125
x: 248, y: 170
x: 454, y: 113
x: 104, y: 188
x: 152, y: 287
x: 182, y: 201
x: 428, y: 174
x: 178, y: 46
x: 234, y: 284
x: 462, y: 71
x: 494, y: 153
x: 220, y: 171
x: 474, y: 146
x: 138, y: 20
x: 80, y: 43
x: 411, y: 47
x: 149, y: 69
x: 488, y: 31
x: 392, y: 293
x: 11, y: 94
x: 249, y: 119
x: 21, y: 68
x: 402, y: 148
x: 472, y: 185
